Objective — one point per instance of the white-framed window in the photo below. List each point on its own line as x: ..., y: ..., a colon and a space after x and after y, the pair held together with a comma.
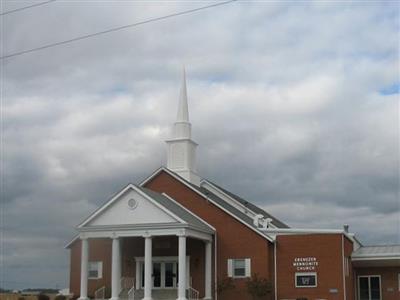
x: 239, y: 268
x: 95, y: 270
x: 369, y: 287
x: 305, y: 280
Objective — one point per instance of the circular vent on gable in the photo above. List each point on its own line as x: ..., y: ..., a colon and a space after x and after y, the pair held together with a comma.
x: 132, y: 203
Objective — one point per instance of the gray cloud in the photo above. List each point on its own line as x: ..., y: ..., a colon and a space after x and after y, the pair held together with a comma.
x: 284, y: 99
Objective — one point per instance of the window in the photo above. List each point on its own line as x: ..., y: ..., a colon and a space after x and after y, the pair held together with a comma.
x: 95, y: 270
x: 306, y: 279
x: 369, y: 287
x: 239, y: 268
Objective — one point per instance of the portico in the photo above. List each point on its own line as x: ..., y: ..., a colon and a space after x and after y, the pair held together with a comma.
x: 152, y: 216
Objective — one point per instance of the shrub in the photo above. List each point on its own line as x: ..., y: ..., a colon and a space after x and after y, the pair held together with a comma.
x: 224, y: 285
x: 60, y: 297
x: 43, y: 297
x: 108, y: 292
x: 258, y: 288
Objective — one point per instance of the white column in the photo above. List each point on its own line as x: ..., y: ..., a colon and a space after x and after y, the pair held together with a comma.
x: 182, y: 268
x: 115, y: 269
x: 148, y: 268
x: 84, y: 268
x: 207, y: 294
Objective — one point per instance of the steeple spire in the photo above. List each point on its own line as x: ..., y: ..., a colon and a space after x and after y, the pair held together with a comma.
x: 183, y: 111
x: 181, y: 147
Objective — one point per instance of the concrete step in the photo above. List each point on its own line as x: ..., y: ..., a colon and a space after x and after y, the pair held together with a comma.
x: 166, y: 294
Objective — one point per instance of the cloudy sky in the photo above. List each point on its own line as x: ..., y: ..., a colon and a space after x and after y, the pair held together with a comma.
x: 294, y: 105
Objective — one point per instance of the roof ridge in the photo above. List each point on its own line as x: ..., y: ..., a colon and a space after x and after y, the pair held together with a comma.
x: 247, y: 203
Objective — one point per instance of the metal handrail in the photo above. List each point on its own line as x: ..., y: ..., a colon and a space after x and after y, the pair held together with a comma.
x: 131, y: 293
x: 100, y: 293
x: 193, y: 294
x: 127, y: 283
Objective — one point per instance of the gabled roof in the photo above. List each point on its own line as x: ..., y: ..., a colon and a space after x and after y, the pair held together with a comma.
x: 181, y: 217
x: 170, y: 204
x: 234, y: 212
x: 250, y: 206
x: 377, y: 251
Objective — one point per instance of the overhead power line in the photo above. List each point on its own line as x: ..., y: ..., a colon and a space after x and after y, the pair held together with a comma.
x: 185, y: 12
x: 25, y: 7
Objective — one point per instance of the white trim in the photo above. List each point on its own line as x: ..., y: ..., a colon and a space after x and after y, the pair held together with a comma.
x: 76, y: 237
x: 215, y: 267
x: 275, y: 273
x: 152, y: 175
x: 99, y: 267
x: 139, y: 261
x: 247, y: 263
x: 369, y: 285
x: 160, y: 206
x: 231, y: 268
x: 238, y: 203
x: 377, y: 257
x: 131, y: 233
x: 118, y: 195
x: 307, y: 231
x: 194, y: 215
x: 343, y: 273
x: 198, y: 235
x: 104, y: 206
x: 305, y: 274
x: 110, y: 233
x: 207, y: 198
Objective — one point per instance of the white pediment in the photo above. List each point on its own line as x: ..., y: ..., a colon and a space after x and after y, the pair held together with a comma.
x: 130, y: 207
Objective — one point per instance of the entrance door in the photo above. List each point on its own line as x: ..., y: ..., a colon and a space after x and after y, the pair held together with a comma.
x: 157, y: 275
x: 369, y: 287
x: 170, y: 274
x: 164, y: 274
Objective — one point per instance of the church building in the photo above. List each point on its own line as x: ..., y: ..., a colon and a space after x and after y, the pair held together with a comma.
x: 177, y: 235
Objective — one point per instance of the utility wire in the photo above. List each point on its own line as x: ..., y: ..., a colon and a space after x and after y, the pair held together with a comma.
x: 185, y: 12
x: 25, y: 7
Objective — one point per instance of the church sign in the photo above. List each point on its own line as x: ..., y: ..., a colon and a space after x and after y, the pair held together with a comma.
x: 305, y: 263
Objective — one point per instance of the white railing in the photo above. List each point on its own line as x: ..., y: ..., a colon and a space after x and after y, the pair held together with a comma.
x: 100, y: 293
x: 127, y: 283
x: 131, y: 293
x: 192, y: 294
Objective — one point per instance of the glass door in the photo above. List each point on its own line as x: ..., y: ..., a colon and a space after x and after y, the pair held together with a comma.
x: 164, y: 274
x: 369, y: 288
x: 157, y: 275
x: 170, y: 275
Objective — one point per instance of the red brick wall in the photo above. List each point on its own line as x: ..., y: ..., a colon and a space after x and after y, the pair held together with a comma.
x: 234, y: 240
x: 99, y: 250
x: 389, y: 280
x: 348, y: 250
x: 327, y: 249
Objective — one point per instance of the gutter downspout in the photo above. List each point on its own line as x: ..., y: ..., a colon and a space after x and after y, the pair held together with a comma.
x: 215, y: 268
x: 275, y: 271
x: 343, y: 268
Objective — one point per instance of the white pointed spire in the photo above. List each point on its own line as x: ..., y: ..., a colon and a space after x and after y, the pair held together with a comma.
x: 181, y: 147
x: 183, y: 111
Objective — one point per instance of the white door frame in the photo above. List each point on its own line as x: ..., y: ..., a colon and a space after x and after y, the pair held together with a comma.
x: 160, y: 259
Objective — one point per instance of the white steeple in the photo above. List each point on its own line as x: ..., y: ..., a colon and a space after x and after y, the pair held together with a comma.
x: 183, y: 111
x: 181, y: 149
